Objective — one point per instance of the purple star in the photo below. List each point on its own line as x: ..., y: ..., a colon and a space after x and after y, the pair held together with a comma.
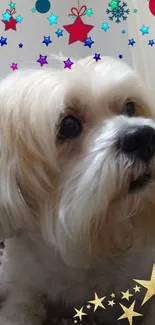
x: 42, y: 60
x: 97, y: 57
x: 14, y: 66
x: 68, y: 63
x: 120, y: 56
x: 20, y: 45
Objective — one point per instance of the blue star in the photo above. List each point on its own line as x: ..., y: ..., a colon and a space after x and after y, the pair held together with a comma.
x: 3, y: 41
x: 19, y: 19
x: 105, y: 26
x: 120, y: 56
x: 88, y: 42
x: 123, y: 31
x: 144, y: 30
x: 6, y: 16
x: 151, y: 42
x: 97, y: 57
x: 20, y: 45
x: 131, y: 42
x: 59, y: 32
x: 47, y: 40
x: 52, y: 19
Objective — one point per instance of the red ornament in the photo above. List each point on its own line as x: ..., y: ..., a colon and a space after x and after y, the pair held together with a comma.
x: 78, y: 30
x: 11, y: 24
x: 152, y: 7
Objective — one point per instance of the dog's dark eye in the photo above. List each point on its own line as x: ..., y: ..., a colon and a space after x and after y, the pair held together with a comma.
x: 129, y: 109
x: 70, y: 128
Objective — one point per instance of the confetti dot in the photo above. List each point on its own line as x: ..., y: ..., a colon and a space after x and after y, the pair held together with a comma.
x: 43, y: 6
x: 120, y: 56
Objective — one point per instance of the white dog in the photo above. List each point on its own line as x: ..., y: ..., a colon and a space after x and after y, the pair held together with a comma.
x: 77, y: 187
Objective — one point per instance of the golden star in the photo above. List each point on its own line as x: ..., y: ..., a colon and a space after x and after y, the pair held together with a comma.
x: 111, y: 303
x: 129, y: 313
x: 113, y: 295
x: 79, y: 313
x: 149, y: 285
x: 97, y: 302
x: 136, y: 288
x: 126, y: 295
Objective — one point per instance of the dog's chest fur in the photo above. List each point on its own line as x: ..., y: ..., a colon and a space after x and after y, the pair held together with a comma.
x: 29, y: 263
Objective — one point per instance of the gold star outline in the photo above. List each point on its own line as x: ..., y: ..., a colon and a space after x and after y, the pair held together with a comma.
x: 79, y: 313
x: 129, y: 313
x: 126, y: 295
x: 97, y: 302
x: 149, y: 285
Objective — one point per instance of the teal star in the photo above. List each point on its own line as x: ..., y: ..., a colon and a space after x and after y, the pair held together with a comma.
x: 89, y: 12
x: 6, y: 16
x: 123, y: 31
x: 135, y: 11
x: 144, y: 30
x: 114, y: 4
x: 52, y: 19
x: 105, y: 26
x: 12, y: 5
x: 19, y: 19
x: 33, y: 9
x: 73, y: 16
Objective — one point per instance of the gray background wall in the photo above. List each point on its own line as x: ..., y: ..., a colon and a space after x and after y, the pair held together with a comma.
x: 35, y: 26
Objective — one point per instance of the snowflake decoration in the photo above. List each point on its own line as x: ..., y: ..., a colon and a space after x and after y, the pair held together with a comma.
x: 119, y: 13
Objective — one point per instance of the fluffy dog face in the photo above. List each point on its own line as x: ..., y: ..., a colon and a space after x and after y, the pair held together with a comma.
x: 77, y: 158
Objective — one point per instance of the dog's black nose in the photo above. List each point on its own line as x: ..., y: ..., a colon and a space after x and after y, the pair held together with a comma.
x: 139, y: 141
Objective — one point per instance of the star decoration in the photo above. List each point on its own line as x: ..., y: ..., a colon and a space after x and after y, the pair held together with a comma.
x: 53, y: 19
x: 97, y: 302
x: 33, y: 10
x: 123, y: 31
x: 144, y: 30
x: 47, y: 40
x: 14, y: 66
x: 136, y: 288
x: 19, y: 19
x: 79, y: 313
x: 3, y: 41
x: 111, y: 303
x: 10, y: 24
x: 12, y: 5
x: 68, y: 63
x: 126, y: 295
x: 120, y: 56
x: 78, y: 30
x: 149, y: 285
x: 105, y: 26
x: 88, y: 306
x: 129, y: 313
x: 151, y: 42
x: 88, y: 42
x: 6, y: 16
x: 89, y: 12
x: 135, y: 11
x: 42, y: 60
x: 131, y: 42
x: 113, y: 295
x: 59, y: 32
x: 97, y: 57
x: 114, y: 4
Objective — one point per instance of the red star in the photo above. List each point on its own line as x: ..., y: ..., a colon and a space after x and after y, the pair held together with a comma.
x: 78, y: 30
x: 10, y: 24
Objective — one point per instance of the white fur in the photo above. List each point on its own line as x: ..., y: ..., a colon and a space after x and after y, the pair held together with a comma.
x: 72, y: 226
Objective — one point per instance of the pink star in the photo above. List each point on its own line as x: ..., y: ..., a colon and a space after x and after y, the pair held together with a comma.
x: 14, y: 66
x: 68, y: 63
